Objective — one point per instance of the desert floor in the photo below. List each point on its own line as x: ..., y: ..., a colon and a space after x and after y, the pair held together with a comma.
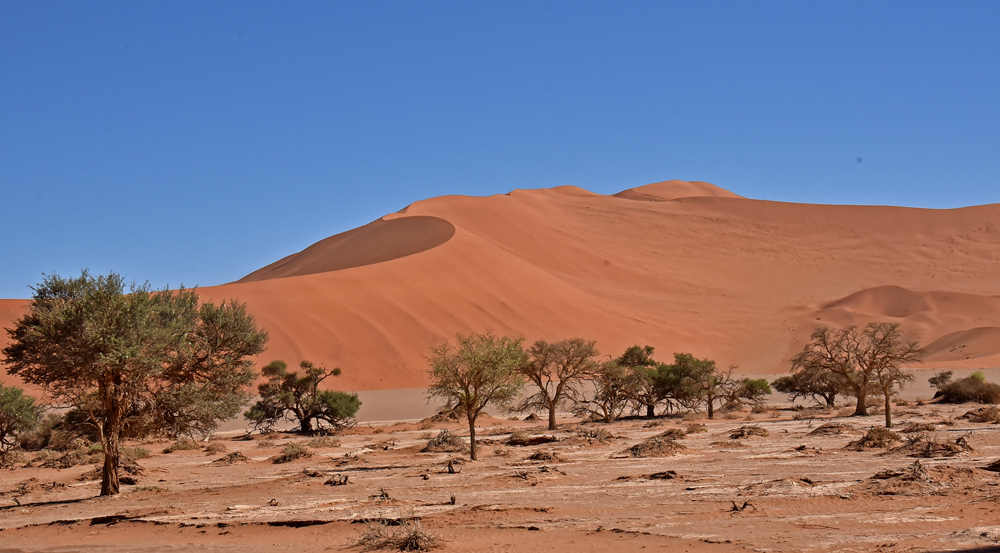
x: 795, y: 489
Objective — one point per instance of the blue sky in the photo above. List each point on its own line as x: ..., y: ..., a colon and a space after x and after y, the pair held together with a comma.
x: 193, y: 142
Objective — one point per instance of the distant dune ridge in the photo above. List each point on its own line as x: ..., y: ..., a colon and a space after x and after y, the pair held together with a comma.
x: 682, y: 266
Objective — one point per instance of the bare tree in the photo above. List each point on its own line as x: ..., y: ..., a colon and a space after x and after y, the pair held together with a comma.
x: 557, y: 370
x: 481, y: 370
x: 860, y: 362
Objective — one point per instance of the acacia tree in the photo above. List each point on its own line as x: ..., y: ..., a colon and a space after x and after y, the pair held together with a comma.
x: 693, y: 382
x: 639, y: 360
x: 158, y: 357
x: 480, y: 370
x: 287, y: 395
x: 860, y: 362
x: 820, y: 385
x: 614, y: 388
x: 557, y: 370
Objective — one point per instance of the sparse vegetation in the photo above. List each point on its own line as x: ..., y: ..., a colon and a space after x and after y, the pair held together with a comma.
x: 748, y: 430
x: 694, y: 428
x: 983, y: 414
x: 662, y: 445
x: 181, y: 445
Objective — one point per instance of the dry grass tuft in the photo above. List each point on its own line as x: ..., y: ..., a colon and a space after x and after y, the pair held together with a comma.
x: 657, y: 446
x: 292, y: 451
x: 748, y: 430
x: 398, y: 536
x: 876, y: 437
x: 445, y: 441
x: 695, y: 428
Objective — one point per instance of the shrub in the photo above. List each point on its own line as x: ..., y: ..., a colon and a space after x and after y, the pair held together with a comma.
x: 876, y: 437
x: 181, y: 445
x: 694, y: 428
x: 321, y: 442
x: 18, y: 413
x: 983, y: 414
x: 292, y: 451
x: 748, y: 430
x: 286, y: 396
x: 657, y: 446
x: 596, y: 434
x: 447, y: 442
x: 405, y: 535
x: 972, y: 388
x: 215, y: 447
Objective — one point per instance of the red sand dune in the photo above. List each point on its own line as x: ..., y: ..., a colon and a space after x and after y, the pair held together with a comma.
x: 682, y: 266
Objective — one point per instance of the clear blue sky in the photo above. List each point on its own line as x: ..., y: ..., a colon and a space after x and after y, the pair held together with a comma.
x: 193, y: 142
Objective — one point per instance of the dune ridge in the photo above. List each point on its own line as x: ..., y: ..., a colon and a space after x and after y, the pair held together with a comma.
x: 680, y: 266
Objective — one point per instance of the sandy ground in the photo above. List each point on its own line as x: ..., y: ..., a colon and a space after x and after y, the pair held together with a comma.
x: 791, y: 490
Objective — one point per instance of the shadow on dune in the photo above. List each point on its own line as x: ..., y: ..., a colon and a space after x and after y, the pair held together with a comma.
x: 376, y: 242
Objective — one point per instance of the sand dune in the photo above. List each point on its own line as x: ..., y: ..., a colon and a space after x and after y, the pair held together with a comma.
x: 680, y: 266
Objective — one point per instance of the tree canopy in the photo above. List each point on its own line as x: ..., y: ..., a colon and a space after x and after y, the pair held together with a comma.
x: 128, y: 355
x: 18, y: 413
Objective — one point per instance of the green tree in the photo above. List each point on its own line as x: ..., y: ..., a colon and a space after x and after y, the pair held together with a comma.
x: 693, y: 382
x: 820, y: 385
x: 639, y: 360
x: 480, y: 370
x: 862, y: 363
x: 286, y: 395
x: 557, y: 370
x: 18, y: 413
x: 155, y: 357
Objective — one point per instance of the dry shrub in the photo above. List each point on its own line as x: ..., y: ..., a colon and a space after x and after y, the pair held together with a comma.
x: 983, y: 414
x: 215, y: 447
x: 400, y: 536
x: 914, y: 427
x: 691, y: 416
x: 927, y: 447
x: 695, y: 428
x: 599, y: 435
x: 876, y: 437
x: 181, y: 445
x: 832, y: 429
x: 732, y: 415
x: 234, y: 458
x: 445, y: 441
x: 970, y: 389
x: 292, y: 451
x: 550, y: 456
x: 266, y: 443
x: 674, y: 434
x: 748, y: 430
x: 657, y: 446
x: 323, y: 442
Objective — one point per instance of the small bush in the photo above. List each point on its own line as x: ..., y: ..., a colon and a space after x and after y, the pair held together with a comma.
x: 445, y: 441
x: 748, y: 430
x: 292, y: 451
x: 674, y: 434
x: 323, y: 442
x: 391, y: 534
x: 215, y: 447
x: 695, y: 428
x: 657, y: 446
x: 972, y: 388
x: 914, y: 427
x: 18, y: 413
x: 876, y: 437
x: 181, y: 445
x: 599, y: 435
x: 266, y: 443
x: 691, y: 416
x: 983, y: 414
x: 234, y: 458
x: 136, y: 453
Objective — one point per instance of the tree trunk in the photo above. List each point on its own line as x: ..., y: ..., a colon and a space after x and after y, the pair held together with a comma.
x: 472, y: 436
x: 861, y: 410
x: 650, y: 410
x: 305, y: 426
x: 552, y: 417
x: 888, y: 410
x: 831, y: 401
x: 111, y: 434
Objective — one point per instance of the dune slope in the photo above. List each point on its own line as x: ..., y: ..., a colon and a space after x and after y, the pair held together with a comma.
x: 680, y: 266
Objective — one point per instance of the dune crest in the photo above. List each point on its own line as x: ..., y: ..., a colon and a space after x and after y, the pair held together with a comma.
x: 741, y: 281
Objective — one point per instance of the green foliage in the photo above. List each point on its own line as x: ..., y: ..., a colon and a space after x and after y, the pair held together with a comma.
x: 158, y: 361
x: 940, y: 380
x: 693, y: 382
x: 292, y: 451
x: 18, y: 413
x: 480, y: 370
x: 643, y: 392
x: 819, y: 385
x: 288, y: 396
x: 978, y: 375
